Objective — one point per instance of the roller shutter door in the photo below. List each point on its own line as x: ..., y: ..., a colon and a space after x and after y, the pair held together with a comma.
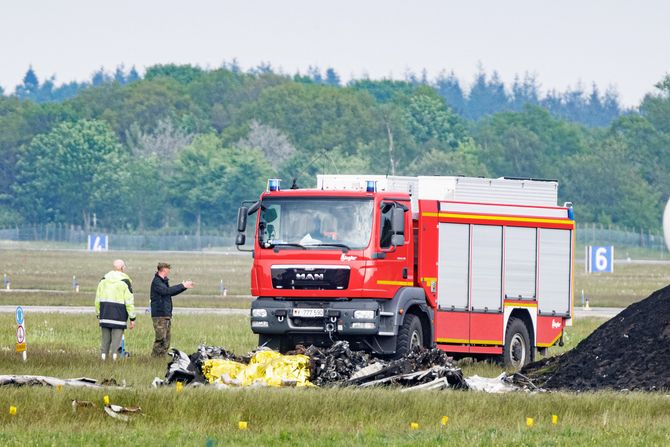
x: 555, y: 264
x: 486, y: 268
x: 453, y: 266
x: 520, y: 262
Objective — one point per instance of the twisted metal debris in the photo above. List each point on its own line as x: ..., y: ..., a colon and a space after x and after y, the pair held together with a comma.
x: 338, y: 365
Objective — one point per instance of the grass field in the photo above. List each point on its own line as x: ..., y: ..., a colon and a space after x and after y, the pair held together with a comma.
x: 67, y: 346
x: 53, y: 269
x: 630, y: 282
x: 346, y: 417
x: 57, y: 298
x: 47, y: 276
x: 56, y: 339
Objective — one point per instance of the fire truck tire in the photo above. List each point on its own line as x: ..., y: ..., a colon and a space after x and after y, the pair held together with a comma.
x: 517, y: 350
x: 277, y: 342
x: 410, y: 335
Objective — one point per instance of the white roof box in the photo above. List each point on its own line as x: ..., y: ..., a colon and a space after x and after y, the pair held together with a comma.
x: 510, y: 191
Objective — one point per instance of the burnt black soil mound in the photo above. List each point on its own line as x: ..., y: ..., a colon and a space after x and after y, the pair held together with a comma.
x: 631, y: 351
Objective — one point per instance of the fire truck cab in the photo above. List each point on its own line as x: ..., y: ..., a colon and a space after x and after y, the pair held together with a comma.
x: 476, y: 266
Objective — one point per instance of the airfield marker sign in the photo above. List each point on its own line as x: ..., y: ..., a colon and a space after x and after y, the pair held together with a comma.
x: 98, y: 242
x: 19, y: 315
x: 599, y: 259
x: 20, y: 334
x: 21, y: 345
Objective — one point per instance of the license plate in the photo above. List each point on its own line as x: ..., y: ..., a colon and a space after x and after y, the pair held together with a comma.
x: 308, y: 313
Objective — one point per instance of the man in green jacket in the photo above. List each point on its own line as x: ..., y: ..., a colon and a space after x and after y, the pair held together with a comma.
x: 114, y: 305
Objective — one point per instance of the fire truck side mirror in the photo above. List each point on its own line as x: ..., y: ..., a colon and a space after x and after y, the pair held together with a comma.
x: 398, y: 226
x: 398, y: 220
x: 397, y: 240
x: 240, y: 239
x: 242, y: 219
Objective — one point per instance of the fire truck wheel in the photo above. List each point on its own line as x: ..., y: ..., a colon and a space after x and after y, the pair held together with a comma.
x: 410, y: 335
x: 278, y: 343
x: 516, y: 353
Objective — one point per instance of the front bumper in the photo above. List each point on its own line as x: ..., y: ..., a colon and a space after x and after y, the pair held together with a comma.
x: 338, y: 317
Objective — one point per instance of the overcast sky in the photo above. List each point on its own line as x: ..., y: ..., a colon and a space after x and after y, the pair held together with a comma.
x: 616, y: 43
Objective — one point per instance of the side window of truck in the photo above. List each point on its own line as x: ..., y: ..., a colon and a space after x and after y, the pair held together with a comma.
x: 385, y: 227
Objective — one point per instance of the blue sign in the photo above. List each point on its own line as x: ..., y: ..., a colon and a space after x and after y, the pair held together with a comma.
x: 600, y: 259
x: 19, y: 315
x: 98, y: 242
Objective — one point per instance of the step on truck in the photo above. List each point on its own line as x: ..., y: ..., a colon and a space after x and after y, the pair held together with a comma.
x: 474, y: 266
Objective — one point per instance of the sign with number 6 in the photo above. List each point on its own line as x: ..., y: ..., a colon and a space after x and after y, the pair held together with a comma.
x: 600, y: 259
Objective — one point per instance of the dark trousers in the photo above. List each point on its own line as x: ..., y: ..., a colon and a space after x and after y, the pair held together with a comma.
x: 162, y: 326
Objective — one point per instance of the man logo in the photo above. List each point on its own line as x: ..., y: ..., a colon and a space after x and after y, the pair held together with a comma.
x: 309, y: 276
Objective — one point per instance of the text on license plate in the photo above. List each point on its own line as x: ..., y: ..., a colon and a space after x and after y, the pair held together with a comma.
x: 308, y: 313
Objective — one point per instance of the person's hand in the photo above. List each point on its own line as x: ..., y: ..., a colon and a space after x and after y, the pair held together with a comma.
x: 188, y: 284
x: 132, y: 324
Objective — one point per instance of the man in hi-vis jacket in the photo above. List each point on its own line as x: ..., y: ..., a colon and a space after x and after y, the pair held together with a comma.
x: 114, y: 305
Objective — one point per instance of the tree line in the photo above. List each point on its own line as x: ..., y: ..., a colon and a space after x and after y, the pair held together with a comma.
x: 182, y: 146
x: 487, y: 95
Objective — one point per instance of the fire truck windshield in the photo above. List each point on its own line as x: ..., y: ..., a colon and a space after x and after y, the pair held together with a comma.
x: 306, y: 222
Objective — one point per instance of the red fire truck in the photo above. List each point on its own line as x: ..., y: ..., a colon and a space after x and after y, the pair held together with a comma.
x: 476, y: 266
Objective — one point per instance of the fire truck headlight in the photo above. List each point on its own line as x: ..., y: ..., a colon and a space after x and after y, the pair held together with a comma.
x: 259, y: 313
x: 259, y: 324
x: 362, y: 325
x: 364, y: 314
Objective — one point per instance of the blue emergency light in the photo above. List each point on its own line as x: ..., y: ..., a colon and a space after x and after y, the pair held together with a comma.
x: 273, y: 184
x: 371, y: 186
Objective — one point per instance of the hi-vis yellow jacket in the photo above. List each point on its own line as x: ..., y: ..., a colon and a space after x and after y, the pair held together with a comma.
x: 114, y: 301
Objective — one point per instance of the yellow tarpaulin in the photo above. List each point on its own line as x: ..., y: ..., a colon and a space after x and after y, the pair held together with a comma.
x: 266, y: 367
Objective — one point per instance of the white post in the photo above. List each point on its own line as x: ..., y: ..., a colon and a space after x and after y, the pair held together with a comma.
x: 586, y: 259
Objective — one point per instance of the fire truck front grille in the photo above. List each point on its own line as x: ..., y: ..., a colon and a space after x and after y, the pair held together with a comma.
x: 325, y: 277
